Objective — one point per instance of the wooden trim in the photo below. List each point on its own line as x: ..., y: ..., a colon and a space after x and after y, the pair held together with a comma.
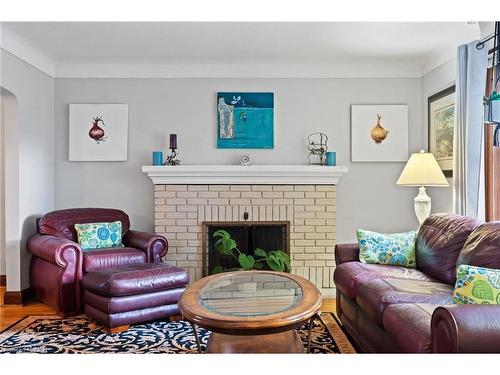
x: 3, y: 280
x: 18, y: 297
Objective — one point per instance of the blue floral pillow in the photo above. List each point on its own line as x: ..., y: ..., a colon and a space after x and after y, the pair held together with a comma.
x: 99, y: 235
x: 396, y: 249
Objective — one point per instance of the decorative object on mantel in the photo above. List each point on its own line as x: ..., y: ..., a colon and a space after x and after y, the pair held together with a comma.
x: 98, y: 132
x: 245, y: 160
x: 331, y: 158
x: 172, y: 159
x: 158, y: 158
x: 317, y: 147
x: 379, y: 133
x: 422, y: 170
x: 441, y: 123
x: 245, y: 120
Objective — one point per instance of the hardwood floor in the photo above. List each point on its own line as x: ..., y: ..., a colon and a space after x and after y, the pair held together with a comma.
x: 10, y: 314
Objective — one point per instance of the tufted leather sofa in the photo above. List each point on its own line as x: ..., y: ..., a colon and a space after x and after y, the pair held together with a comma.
x: 58, y: 264
x: 394, y: 309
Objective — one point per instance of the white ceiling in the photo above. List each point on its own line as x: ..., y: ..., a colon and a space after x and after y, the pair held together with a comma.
x: 105, y: 48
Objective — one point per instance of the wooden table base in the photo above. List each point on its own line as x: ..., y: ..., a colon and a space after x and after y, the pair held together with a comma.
x: 284, y: 342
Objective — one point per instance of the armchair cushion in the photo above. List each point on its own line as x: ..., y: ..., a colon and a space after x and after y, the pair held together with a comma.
x: 99, y: 235
x: 61, y: 223
x: 99, y: 259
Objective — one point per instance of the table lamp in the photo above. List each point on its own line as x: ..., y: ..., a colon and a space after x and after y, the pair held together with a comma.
x: 422, y: 170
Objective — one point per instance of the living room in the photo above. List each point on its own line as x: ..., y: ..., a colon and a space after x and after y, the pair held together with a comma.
x: 320, y: 186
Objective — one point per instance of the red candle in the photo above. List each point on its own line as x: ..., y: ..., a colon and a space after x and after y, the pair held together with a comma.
x: 173, y: 141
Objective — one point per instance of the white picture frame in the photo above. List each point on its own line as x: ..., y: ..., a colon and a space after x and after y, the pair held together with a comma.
x: 103, y: 140
x: 386, y: 144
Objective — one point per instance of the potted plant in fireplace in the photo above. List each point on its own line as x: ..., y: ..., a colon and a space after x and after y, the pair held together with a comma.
x: 275, y: 260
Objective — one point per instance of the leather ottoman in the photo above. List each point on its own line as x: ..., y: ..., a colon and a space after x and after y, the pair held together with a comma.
x: 119, y: 297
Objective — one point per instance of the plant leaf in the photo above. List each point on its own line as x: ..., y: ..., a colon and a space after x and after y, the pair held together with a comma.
x: 260, y: 253
x: 246, y: 261
x: 274, y: 265
x: 222, y: 233
x: 217, y: 269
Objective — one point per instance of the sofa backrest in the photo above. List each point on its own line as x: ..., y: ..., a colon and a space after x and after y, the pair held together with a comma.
x: 482, y: 248
x: 61, y: 223
x: 440, y: 239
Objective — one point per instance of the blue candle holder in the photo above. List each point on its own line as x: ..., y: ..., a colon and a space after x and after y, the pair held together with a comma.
x: 331, y: 158
x: 157, y: 158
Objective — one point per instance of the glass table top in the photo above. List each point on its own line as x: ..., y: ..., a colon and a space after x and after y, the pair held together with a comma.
x: 250, y: 293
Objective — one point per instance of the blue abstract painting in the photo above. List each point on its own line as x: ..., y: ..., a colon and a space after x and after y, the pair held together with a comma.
x: 245, y: 120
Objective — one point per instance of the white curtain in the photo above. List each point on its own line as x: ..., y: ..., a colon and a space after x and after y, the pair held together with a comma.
x: 468, y: 181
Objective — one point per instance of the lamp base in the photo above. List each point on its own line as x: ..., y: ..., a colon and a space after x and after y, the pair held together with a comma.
x: 422, y: 203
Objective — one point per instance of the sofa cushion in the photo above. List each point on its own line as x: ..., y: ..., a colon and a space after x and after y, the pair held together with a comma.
x: 348, y: 276
x: 61, y: 223
x: 477, y: 285
x: 482, y: 248
x: 373, y: 296
x: 409, y: 326
x: 440, y: 239
x: 395, y: 249
x: 111, y: 258
x: 135, y: 279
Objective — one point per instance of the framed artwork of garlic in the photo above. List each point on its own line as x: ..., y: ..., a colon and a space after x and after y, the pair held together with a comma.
x: 379, y: 132
x: 98, y: 132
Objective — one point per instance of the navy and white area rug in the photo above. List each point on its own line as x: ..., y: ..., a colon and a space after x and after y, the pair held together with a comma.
x: 52, y: 334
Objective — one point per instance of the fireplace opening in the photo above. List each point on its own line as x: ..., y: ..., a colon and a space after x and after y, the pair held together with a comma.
x: 269, y: 236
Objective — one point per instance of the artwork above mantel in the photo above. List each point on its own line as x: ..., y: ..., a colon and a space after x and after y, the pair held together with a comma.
x: 254, y: 174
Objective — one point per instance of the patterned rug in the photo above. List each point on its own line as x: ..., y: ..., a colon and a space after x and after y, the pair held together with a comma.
x: 52, y: 334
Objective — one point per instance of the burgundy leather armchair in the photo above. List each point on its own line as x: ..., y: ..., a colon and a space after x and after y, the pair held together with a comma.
x: 395, y: 309
x: 58, y: 263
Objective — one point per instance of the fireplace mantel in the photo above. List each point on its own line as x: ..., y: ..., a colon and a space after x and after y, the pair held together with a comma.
x: 254, y: 174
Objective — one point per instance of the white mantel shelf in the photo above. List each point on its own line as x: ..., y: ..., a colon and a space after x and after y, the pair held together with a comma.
x: 241, y: 175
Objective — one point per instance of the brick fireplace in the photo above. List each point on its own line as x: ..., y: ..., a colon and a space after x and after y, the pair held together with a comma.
x: 180, y: 209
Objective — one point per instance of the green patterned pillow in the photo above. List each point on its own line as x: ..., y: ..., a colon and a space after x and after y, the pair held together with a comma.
x: 99, y: 235
x: 477, y: 285
x: 396, y: 249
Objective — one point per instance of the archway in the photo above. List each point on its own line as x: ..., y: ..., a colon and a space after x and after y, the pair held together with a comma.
x: 10, y: 228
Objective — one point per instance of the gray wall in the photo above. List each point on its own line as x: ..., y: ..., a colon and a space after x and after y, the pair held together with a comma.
x: 368, y: 196
x: 34, y: 91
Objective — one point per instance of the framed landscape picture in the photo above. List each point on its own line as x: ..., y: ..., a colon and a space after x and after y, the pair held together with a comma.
x: 441, y: 122
x: 98, y: 132
x: 245, y: 120
x: 379, y: 132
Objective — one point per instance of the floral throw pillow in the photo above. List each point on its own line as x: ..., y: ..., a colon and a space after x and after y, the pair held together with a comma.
x: 477, y: 285
x: 99, y: 235
x: 396, y: 249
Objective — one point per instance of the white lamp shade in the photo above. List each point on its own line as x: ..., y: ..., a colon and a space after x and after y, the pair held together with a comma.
x: 422, y: 169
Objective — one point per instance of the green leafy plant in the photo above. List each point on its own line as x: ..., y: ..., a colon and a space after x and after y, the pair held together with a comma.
x: 275, y: 260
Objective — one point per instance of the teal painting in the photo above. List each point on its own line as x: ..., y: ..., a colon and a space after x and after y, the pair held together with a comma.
x: 245, y: 120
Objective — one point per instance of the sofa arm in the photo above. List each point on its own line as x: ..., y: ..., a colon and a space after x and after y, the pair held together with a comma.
x: 154, y: 245
x: 346, y: 252
x: 56, y: 250
x: 466, y: 329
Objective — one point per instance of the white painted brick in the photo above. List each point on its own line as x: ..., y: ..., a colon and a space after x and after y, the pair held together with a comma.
x: 313, y: 263
x: 215, y: 212
x: 262, y: 213
x: 187, y: 236
x: 315, y: 194
x: 330, y: 188
x: 241, y: 188
x: 159, y: 187
x: 261, y: 202
x: 165, y: 194
x: 303, y: 256
x: 176, y: 201
x: 239, y: 202
x: 218, y: 188
x: 187, y: 208
x: 230, y: 194
x: 326, y: 201
x: 304, y: 188
x: 208, y: 194
x: 272, y: 194
x: 315, y: 208
x: 304, y: 228
x: 255, y: 213
x: 283, y: 202
x: 218, y: 202
x: 176, y: 187
x: 197, y: 201
x: 165, y: 222
x: 327, y: 256
x: 269, y: 213
x: 159, y: 215
x: 251, y: 194
x: 195, y: 229
x: 325, y: 242
x: 282, y: 213
x: 176, y: 243
x: 282, y: 187
x: 192, y: 215
x: 197, y: 187
x: 304, y: 202
x: 175, y: 229
x: 262, y: 188
x: 316, y: 222
x: 293, y: 194
x: 166, y: 208
x: 186, y: 222
x: 159, y: 201
x: 276, y: 213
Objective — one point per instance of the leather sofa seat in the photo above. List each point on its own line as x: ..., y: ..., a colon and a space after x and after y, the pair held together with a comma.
x: 374, y: 296
x: 409, y: 326
x: 349, y: 276
x: 97, y: 259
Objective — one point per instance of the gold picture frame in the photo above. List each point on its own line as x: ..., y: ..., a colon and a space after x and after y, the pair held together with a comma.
x: 441, y: 121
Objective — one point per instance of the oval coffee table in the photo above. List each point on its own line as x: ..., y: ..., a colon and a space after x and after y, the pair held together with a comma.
x: 251, y: 311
